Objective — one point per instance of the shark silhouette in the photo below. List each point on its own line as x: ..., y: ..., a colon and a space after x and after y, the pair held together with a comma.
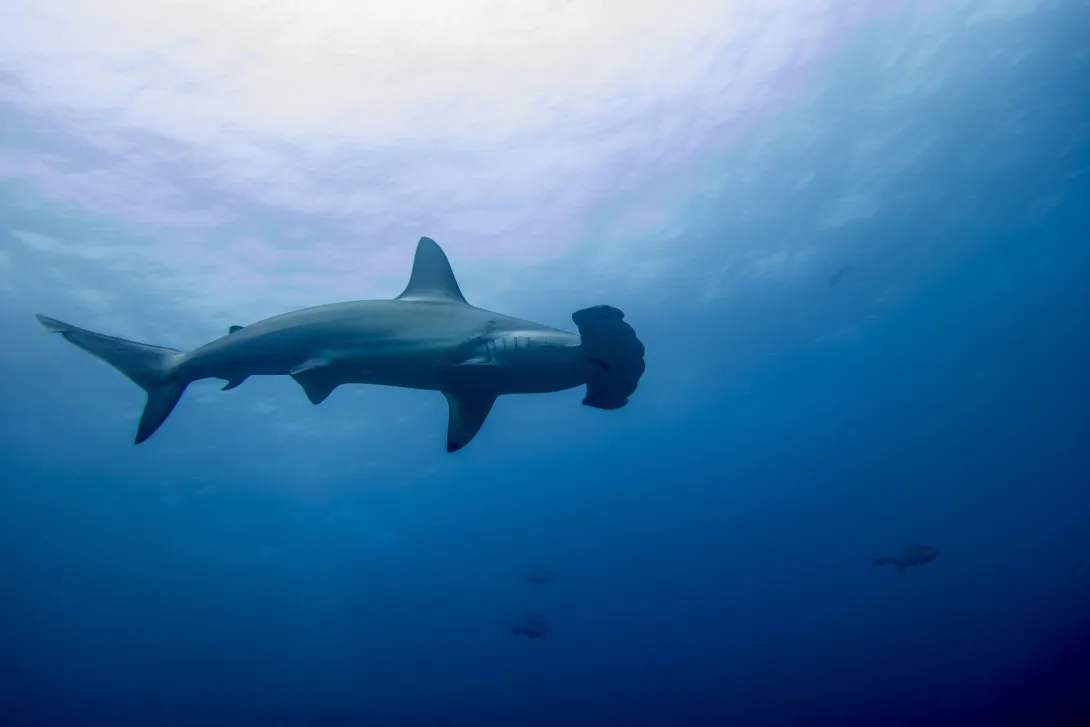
x: 428, y: 337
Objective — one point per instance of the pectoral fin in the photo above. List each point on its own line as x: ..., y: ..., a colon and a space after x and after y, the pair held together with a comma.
x: 233, y: 383
x: 317, y: 383
x: 468, y: 410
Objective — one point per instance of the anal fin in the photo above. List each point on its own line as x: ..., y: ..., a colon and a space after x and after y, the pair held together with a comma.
x: 233, y: 383
x: 467, y: 411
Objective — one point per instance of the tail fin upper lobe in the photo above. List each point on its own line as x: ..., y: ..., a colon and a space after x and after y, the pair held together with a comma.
x: 149, y: 367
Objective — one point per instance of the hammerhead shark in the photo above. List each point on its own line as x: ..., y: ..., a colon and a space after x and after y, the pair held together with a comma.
x: 428, y: 338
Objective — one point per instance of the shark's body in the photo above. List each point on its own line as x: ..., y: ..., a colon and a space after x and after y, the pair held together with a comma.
x: 429, y: 337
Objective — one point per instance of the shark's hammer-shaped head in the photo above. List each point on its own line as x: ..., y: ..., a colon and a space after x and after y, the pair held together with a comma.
x: 611, y: 344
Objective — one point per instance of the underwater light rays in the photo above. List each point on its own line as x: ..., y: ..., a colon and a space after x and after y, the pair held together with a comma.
x: 365, y: 127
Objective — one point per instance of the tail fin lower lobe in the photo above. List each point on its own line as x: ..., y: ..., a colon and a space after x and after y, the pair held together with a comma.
x: 149, y: 367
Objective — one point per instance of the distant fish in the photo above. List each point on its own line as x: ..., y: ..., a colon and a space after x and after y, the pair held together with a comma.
x: 538, y: 576
x: 912, y: 556
x: 532, y: 627
x: 838, y: 275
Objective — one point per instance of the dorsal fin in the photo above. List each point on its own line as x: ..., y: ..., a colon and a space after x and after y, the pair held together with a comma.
x: 432, y: 279
x: 234, y: 329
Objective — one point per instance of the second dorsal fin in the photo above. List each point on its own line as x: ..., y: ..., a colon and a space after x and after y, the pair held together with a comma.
x: 234, y: 329
x: 432, y: 279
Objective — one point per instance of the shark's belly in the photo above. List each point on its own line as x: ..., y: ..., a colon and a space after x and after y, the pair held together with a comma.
x: 518, y: 379
x: 399, y: 372
x: 454, y: 374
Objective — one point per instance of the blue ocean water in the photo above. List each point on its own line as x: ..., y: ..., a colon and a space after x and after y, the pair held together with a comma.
x: 854, y: 238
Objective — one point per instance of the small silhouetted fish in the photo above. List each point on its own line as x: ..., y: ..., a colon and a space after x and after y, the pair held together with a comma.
x: 532, y: 627
x: 911, y: 556
x: 538, y: 576
x: 838, y: 275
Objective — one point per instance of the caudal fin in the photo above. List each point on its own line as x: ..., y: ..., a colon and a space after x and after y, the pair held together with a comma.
x: 149, y: 367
